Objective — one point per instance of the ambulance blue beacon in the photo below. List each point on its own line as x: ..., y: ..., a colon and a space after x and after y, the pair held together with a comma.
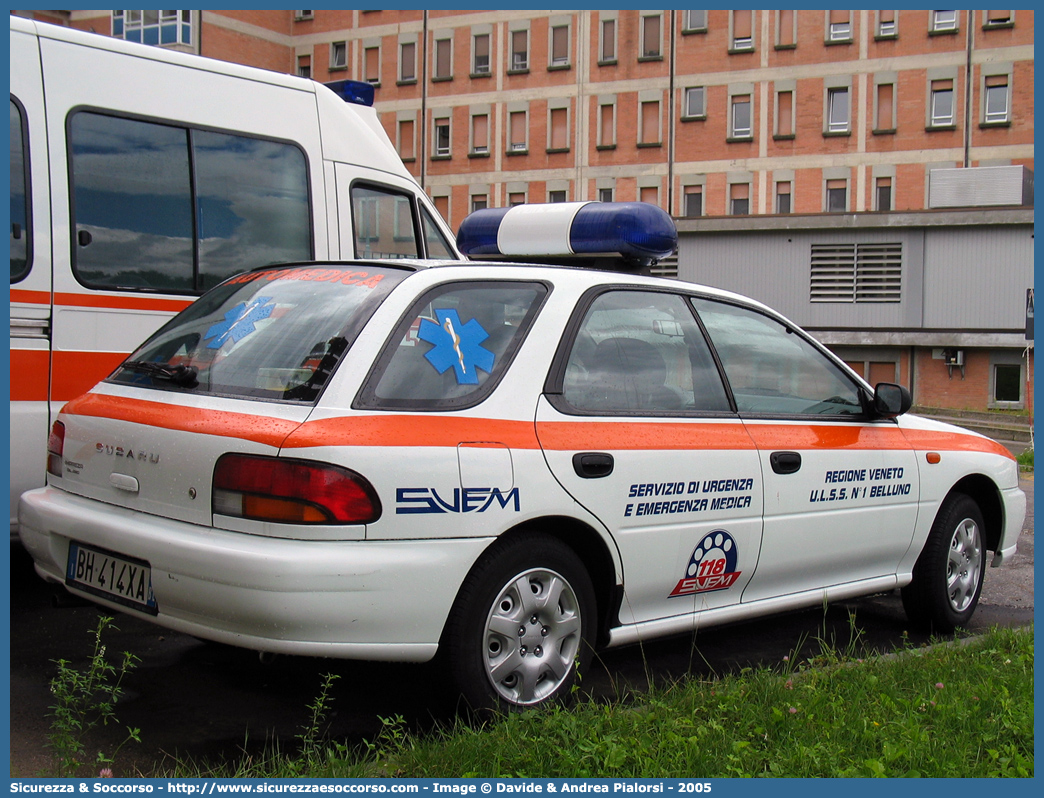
x: 504, y: 465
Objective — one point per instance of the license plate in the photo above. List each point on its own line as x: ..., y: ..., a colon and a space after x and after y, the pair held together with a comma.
x: 121, y: 579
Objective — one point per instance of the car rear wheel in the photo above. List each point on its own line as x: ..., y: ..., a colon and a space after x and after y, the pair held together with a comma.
x: 519, y: 631
x: 947, y: 578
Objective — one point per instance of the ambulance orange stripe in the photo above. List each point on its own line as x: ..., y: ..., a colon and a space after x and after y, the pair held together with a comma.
x: 108, y: 302
x: 75, y: 373
x: 260, y: 429
x: 443, y: 431
x: 30, y: 297
x: 29, y: 375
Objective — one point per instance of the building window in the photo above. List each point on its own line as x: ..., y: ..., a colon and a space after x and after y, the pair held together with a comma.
x: 162, y: 28
x: 838, y: 116
x: 441, y: 141
x: 649, y: 194
x: 372, y: 65
x: 695, y: 22
x: 998, y: 19
x: 943, y: 22
x: 783, y: 197
x: 607, y: 46
x: 558, y: 130
x: 886, y: 25
x: 516, y: 198
x: 442, y: 205
x: 407, y: 140
x: 443, y: 57
x: 558, y: 195
x: 785, y: 114
x: 479, y: 202
x: 786, y: 29
x: 480, y: 134
x: 408, y: 62
x: 338, y: 55
x: 883, y: 194
x: 942, y: 109
x: 605, y: 195
x: 740, y: 118
x: 560, y: 46
x: 836, y: 196
x: 695, y: 103
x: 742, y: 31
x: 304, y: 66
x: 1007, y: 383
x: 480, y: 55
x: 606, y: 126
x: 519, y: 50
x: 856, y: 273
x: 518, y: 141
x: 739, y: 199
x: 651, y: 46
x: 649, y: 122
x: 884, y: 120
x: 995, y: 103
x: 693, y: 201
x: 300, y: 16
x: 839, y: 27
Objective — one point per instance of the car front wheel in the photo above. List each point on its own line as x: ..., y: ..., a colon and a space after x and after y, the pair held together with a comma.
x: 947, y: 578
x: 519, y: 631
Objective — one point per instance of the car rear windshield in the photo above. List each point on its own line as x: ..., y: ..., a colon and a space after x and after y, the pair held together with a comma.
x: 273, y: 334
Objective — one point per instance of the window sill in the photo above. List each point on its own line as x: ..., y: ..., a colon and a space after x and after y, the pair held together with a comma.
x: 478, y: 75
x: 646, y: 58
x: 832, y: 42
x: 786, y: 46
x: 988, y: 125
x: 739, y: 139
x: 647, y: 145
x: 998, y: 25
x: 600, y: 147
x: 834, y: 134
x: 692, y: 31
x: 519, y: 71
x: 375, y: 83
x: 556, y: 150
x: 885, y: 131
x: 407, y: 160
x: 741, y: 50
x: 441, y: 157
x: 608, y: 62
x: 559, y: 67
x: 937, y: 128
x: 947, y: 32
x: 886, y: 37
x: 409, y: 82
x: 478, y: 154
x: 517, y: 152
x: 784, y: 136
x: 700, y: 118
x: 343, y: 68
x: 442, y: 79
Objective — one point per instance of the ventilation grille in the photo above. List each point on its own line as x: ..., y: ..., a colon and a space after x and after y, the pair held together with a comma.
x: 856, y: 273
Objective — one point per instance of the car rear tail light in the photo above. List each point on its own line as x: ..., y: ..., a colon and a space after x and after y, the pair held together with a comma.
x: 55, y: 449
x: 292, y: 491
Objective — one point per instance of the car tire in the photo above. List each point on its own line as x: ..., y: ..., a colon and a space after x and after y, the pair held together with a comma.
x: 947, y: 578
x: 519, y: 631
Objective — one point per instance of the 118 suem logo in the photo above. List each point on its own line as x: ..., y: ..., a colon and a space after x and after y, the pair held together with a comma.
x: 711, y: 567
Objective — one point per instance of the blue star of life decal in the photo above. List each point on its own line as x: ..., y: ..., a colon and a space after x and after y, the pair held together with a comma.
x: 456, y: 345
x: 239, y: 322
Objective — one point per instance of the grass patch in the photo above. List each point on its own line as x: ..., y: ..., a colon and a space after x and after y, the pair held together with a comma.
x: 957, y: 709
x: 1025, y: 459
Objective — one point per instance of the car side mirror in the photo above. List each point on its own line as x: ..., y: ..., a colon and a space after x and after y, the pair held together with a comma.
x: 891, y: 400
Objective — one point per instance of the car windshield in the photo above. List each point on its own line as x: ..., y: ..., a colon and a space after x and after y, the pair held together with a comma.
x: 272, y: 334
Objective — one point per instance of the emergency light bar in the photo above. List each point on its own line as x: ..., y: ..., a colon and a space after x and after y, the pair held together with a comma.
x: 356, y: 92
x: 635, y: 231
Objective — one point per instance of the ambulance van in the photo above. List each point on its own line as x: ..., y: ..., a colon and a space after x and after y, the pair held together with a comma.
x: 142, y: 177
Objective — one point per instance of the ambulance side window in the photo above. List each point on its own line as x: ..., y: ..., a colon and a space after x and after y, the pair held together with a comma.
x: 384, y: 226
x: 163, y: 207
x: 642, y: 353
x: 438, y: 249
x: 21, y: 243
x: 453, y: 347
x: 772, y: 369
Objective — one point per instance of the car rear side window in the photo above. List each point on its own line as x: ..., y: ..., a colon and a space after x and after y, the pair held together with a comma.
x: 21, y: 250
x: 271, y: 334
x: 452, y: 348
x: 641, y: 352
x: 771, y: 368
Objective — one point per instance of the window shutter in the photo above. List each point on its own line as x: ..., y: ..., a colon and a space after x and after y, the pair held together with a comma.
x: 786, y: 113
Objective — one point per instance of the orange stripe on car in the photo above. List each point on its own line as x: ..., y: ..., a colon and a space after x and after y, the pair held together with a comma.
x: 938, y: 441
x: 413, y: 430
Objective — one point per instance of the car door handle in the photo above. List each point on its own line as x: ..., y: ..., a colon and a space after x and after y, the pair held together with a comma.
x: 785, y: 462
x: 592, y: 465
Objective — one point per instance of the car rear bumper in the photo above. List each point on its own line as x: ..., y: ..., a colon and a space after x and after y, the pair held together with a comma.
x: 375, y: 600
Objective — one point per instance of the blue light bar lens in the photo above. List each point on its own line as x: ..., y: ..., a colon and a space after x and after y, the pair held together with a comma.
x: 353, y: 91
x: 637, y: 229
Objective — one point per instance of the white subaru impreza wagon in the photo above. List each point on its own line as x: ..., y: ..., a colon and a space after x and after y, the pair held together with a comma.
x: 502, y: 465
